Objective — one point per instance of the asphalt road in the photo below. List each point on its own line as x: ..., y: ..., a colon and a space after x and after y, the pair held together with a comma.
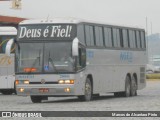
x: 148, y: 99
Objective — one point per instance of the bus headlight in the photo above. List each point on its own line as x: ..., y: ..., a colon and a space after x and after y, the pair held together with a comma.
x: 26, y: 81
x: 21, y: 82
x: 61, y: 82
x: 67, y: 90
x: 21, y: 89
x: 66, y: 82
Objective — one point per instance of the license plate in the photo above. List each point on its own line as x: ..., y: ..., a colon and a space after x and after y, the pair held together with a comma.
x: 43, y: 90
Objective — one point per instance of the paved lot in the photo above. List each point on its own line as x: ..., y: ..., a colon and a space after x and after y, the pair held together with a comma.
x: 148, y: 99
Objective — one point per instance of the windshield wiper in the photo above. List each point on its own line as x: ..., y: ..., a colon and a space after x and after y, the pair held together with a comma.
x: 38, y: 58
x: 52, y: 63
x: 34, y: 64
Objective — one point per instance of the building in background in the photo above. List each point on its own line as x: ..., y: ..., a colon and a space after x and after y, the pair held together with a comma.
x: 10, y: 21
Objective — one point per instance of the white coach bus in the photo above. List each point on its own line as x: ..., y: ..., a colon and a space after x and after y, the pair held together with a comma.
x: 7, y: 76
x: 70, y: 57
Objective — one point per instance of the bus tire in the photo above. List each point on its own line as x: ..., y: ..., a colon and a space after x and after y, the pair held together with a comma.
x: 127, y: 92
x: 6, y: 92
x: 133, y: 87
x: 36, y: 99
x: 118, y: 94
x: 96, y: 95
x: 14, y: 91
x: 88, y: 91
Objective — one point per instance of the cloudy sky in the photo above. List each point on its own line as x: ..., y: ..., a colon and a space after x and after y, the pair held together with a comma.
x: 121, y: 12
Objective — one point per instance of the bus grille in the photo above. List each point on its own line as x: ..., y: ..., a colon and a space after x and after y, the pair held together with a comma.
x: 43, y: 83
x: 142, y: 75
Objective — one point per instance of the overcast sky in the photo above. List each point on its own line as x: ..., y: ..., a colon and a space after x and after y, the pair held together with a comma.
x: 121, y: 12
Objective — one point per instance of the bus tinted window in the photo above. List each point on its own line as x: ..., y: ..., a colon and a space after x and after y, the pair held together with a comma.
x: 89, y: 35
x: 132, y: 39
x: 116, y: 37
x: 98, y: 36
x: 138, y: 39
x: 143, y: 39
x: 108, y: 37
x: 121, y: 38
x: 125, y: 38
x: 80, y: 33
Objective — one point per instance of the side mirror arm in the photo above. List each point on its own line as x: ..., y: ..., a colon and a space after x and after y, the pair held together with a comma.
x: 9, y: 46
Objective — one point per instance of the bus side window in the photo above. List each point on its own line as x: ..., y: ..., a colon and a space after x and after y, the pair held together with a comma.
x: 89, y: 35
x: 116, y: 37
x: 138, y: 39
x: 125, y: 38
x: 108, y: 37
x: 81, y: 58
x: 99, y: 36
x: 81, y: 34
x: 143, y: 39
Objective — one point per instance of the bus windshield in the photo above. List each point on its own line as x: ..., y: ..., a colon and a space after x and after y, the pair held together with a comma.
x: 44, y: 57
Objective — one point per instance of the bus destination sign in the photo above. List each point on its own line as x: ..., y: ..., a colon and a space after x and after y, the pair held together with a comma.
x: 46, y: 32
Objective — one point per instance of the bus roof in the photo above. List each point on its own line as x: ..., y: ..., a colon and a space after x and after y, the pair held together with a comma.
x: 8, y: 31
x: 70, y: 21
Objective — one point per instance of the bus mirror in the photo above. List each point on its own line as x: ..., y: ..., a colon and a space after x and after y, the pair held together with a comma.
x: 75, y: 47
x: 8, y: 47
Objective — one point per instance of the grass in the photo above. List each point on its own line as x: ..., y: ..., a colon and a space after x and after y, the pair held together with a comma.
x: 153, y: 76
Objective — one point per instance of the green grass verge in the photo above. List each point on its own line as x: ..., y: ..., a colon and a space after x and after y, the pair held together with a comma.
x: 153, y: 76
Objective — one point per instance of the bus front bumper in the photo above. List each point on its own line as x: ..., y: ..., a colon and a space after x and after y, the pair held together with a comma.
x: 46, y: 90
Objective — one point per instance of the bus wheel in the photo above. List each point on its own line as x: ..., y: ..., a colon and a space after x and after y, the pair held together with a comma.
x: 118, y: 94
x: 6, y: 92
x: 88, y: 91
x: 96, y: 95
x: 36, y: 99
x: 14, y: 91
x: 133, y: 87
x: 126, y: 93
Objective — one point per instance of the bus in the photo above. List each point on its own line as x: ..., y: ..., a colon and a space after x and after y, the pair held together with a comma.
x: 72, y: 57
x: 7, y: 76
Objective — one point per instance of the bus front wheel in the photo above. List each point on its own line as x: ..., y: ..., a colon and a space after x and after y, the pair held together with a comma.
x: 88, y: 91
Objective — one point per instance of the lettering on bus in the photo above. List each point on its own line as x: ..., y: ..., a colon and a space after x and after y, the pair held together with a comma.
x: 46, y: 31
x: 25, y: 77
x: 90, y: 54
x: 126, y: 56
x: 5, y: 60
x: 64, y: 76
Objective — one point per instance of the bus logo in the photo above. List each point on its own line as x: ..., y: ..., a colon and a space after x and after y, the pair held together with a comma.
x: 5, y: 60
x: 126, y: 56
x: 43, y: 81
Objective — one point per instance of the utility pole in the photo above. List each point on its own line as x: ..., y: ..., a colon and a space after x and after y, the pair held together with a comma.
x: 151, y: 28
x: 147, y: 40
